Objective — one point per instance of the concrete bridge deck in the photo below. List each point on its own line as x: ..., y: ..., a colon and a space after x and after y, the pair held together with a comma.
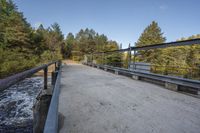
x: 95, y: 101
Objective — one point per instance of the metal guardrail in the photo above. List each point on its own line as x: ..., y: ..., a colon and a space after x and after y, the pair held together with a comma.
x: 155, y: 46
x: 195, y: 84
x: 169, y: 44
x: 11, y: 80
x: 129, y: 61
x: 51, y: 124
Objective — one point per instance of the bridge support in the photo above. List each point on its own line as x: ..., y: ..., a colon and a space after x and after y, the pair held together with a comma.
x: 40, y: 110
x: 105, y: 69
x: 171, y: 86
x: 98, y: 67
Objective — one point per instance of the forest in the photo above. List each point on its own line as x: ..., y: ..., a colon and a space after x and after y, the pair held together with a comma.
x: 23, y: 46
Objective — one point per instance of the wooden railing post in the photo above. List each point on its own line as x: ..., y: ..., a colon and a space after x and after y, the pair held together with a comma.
x: 45, y: 77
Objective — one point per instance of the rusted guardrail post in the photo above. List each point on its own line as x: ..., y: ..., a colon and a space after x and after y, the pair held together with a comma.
x: 45, y: 77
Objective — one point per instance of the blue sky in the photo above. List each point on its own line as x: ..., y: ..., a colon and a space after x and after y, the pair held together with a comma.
x: 120, y: 20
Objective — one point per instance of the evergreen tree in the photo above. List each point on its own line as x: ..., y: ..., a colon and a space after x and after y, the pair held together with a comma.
x: 15, y: 31
x: 68, y: 46
x: 113, y: 59
x: 151, y: 35
x: 16, y: 52
x: 22, y: 47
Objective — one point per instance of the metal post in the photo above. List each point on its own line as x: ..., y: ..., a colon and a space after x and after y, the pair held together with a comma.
x: 92, y: 58
x: 103, y: 59
x: 104, y: 54
x: 54, y: 77
x: 134, y: 67
x: 129, y: 56
x: 55, y: 66
x: 45, y: 77
x: 59, y: 64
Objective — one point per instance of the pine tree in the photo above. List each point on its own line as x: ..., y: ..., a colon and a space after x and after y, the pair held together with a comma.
x: 38, y: 40
x: 15, y: 47
x: 15, y: 31
x: 113, y: 59
x: 68, y: 46
x: 151, y: 35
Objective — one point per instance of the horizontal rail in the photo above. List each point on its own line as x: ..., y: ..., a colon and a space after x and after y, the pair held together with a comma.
x: 166, y: 78
x: 171, y: 79
x: 170, y: 44
x: 7, y: 82
x: 51, y: 124
x: 155, y: 46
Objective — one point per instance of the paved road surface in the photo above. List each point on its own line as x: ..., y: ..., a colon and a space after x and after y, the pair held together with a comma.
x: 95, y: 101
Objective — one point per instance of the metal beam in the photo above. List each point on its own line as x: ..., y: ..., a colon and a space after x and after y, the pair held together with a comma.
x: 155, y: 46
x: 195, y: 84
x: 51, y: 124
x: 7, y: 82
x: 170, y: 44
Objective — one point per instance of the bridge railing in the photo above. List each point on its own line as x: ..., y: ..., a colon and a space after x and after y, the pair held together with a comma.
x: 170, y: 76
x: 51, y: 124
x: 11, y: 80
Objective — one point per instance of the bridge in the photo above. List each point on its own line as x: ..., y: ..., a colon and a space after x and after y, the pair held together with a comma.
x: 98, y: 98
x: 95, y: 101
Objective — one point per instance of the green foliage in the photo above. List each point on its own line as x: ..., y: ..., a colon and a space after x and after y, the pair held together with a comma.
x: 113, y: 59
x: 13, y: 61
x: 181, y: 61
x: 22, y: 47
x: 15, y: 30
x: 151, y: 35
x: 87, y: 42
x: 68, y: 46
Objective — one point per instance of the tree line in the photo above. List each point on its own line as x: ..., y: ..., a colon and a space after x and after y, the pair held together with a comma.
x: 181, y: 61
x: 88, y: 42
x: 22, y: 46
